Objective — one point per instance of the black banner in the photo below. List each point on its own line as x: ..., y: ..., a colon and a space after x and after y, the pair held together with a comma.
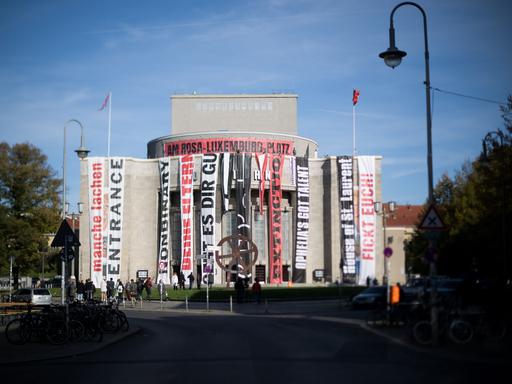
x: 226, y: 176
x: 302, y: 220
x: 347, y: 223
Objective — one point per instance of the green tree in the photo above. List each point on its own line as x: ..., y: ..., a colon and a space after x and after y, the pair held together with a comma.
x: 29, y: 206
x: 477, y: 209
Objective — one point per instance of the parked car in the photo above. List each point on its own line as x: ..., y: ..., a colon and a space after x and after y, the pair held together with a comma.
x: 370, y: 298
x: 36, y: 296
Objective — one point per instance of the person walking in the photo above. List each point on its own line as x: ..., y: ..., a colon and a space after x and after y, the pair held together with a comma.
x: 240, y: 290
x: 181, y: 280
x: 256, y: 290
x: 72, y: 289
x: 120, y: 291
x: 175, y: 281
x: 103, y: 289
x: 80, y: 290
x: 190, y: 280
x: 148, y: 284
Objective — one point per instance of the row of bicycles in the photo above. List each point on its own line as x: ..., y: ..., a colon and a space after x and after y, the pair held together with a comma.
x: 454, y: 324
x: 60, y: 324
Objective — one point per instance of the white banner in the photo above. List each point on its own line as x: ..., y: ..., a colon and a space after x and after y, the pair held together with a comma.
x: 367, y: 217
x: 115, y: 216
x: 165, y: 222
x: 97, y: 218
x: 187, y: 213
x: 209, y: 167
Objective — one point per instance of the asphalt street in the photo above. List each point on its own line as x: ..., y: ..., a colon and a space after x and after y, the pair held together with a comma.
x: 254, y: 345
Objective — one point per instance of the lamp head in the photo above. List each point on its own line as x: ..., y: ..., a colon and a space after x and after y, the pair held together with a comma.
x: 82, y: 152
x: 392, y: 56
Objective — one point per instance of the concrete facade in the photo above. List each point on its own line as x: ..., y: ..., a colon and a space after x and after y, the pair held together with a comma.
x: 197, y: 117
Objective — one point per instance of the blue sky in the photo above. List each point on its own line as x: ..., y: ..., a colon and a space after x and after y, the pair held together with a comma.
x: 59, y: 59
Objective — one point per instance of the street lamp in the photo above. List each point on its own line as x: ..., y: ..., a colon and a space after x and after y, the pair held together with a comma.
x: 393, y: 57
x: 384, y: 210
x: 82, y: 154
x: 489, y: 142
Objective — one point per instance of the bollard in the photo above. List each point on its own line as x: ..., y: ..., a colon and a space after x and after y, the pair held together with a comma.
x: 141, y: 303
x: 230, y: 303
x: 186, y: 303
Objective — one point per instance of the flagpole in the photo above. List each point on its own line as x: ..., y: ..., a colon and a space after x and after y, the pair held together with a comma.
x: 109, y: 121
x: 354, y: 150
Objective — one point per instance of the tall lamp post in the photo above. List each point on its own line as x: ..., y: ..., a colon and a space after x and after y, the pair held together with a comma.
x: 384, y: 210
x: 393, y: 57
x: 489, y: 141
x: 82, y: 153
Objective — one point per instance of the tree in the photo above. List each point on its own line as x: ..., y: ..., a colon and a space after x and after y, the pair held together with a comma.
x: 477, y: 209
x: 29, y: 205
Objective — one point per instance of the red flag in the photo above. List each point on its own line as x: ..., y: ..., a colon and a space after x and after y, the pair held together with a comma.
x: 355, y: 97
x: 105, y: 102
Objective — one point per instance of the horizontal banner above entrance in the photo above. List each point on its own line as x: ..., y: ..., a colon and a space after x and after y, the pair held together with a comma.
x: 231, y: 145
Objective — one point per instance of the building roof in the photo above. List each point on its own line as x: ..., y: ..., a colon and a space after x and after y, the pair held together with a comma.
x: 405, y: 216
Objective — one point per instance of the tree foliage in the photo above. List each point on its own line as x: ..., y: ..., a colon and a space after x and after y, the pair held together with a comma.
x: 29, y: 204
x: 476, y: 206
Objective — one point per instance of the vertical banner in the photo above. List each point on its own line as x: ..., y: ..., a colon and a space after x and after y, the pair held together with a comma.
x: 367, y: 217
x: 226, y: 179
x: 301, y: 219
x: 347, y: 223
x: 275, y: 222
x: 186, y: 166
x: 209, y: 166
x: 243, y: 192
x: 116, y: 172
x: 97, y: 220
x: 165, y: 222
x: 262, y: 160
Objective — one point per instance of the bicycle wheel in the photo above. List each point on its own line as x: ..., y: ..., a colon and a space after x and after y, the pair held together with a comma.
x: 422, y: 332
x: 460, y: 331
x: 56, y: 332
x: 124, y: 325
x: 15, y: 332
x: 76, y: 330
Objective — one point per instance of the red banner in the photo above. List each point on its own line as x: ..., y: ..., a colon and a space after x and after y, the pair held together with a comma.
x: 275, y: 222
x: 187, y: 213
x: 231, y: 145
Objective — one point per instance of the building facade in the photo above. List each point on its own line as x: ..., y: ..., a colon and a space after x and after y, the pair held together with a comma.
x: 233, y: 191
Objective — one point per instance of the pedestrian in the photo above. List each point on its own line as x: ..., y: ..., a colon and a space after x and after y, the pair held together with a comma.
x: 148, y: 284
x: 375, y: 281
x: 256, y: 290
x: 162, y: 290
x: 175, y: 281
x: 110, y: 289
x: 103, y: 289
x: 140, y: 288
x: 80, y: 289
x: 120, y: 291
x: 190, y: 280
x: 181, y: 280
x: 198, y: 280
x: 368, y: 281
x: 72, y: 289
x: 240, y: 290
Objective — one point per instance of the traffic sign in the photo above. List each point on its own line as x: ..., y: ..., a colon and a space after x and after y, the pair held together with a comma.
x: 60, y: 239
x: 432, y: 220
x: 388, y: 251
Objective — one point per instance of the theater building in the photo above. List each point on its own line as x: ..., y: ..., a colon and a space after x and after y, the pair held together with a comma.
x: 233, y: 178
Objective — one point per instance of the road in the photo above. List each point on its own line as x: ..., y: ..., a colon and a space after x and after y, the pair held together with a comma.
x: 181, y: 347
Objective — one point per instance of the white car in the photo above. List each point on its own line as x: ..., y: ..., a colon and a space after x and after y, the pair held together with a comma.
x: 36, y: 296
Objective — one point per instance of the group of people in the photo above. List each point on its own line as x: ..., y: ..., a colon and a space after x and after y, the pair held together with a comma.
x: 110, y: 291
x: 178, y: 281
